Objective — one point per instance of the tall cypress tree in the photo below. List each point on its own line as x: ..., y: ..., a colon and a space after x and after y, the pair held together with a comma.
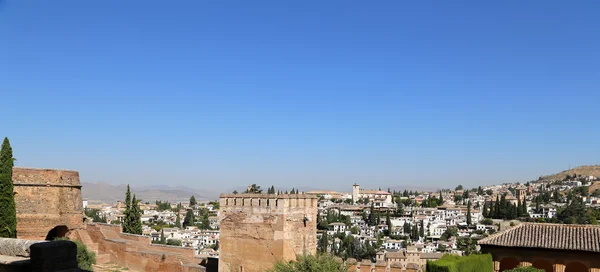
x: 484, y: 211
x: 469, y: 213
x: 127, y: 214
x: 163, y: 240
x: 323, y: 243
x: 188, y: 220
x: 372, y: 218
x: 504, y: 207
x: 388, y: 221
x: 136, y: 217
x: 497, y: 210
x: 178, y: 221
x: 8, y: 211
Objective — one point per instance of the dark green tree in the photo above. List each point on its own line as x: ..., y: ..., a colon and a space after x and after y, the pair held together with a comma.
x: 193, y: 201
x: 323, y: 243
x: 188, y: 220
x: 8, y: 211
x: 136, y: 217
x: 497, y: 210
x: 163, y: 240
x: 406, y: 228
x: 372, y: 216
x: 469, y: 213
x: 126, y: 226
x: 556, y: 196
x: 178, y: 221
x: 253, y: 189
x: 524, y: 209
x: 388, y: 222
x: 484, y: 211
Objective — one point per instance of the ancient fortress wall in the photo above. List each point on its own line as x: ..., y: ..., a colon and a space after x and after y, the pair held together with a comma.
x: 46, y: 198
x: 136, y: 251
x: 258, y: 230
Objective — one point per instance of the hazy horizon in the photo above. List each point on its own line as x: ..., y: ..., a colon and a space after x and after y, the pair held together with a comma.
x: 306, y: 94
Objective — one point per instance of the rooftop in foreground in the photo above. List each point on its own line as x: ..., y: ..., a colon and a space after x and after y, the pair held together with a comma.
x: 548, y: 236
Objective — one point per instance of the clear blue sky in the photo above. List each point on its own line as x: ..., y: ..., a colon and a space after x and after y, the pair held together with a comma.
x: 221, y: 94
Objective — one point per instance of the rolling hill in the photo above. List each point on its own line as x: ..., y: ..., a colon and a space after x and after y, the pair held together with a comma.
x: 584, y: 170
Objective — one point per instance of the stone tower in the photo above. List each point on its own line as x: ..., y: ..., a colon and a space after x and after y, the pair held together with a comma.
x: 355, y: 192
x: 521, y: 193
x: 258, y: 230
x: 46, y: 198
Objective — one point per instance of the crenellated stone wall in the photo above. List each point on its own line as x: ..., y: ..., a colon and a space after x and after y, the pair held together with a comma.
x: 258, y: 230
x: 46, y: 198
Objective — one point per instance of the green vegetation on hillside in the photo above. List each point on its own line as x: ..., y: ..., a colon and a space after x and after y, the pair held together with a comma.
x: 94, y: 214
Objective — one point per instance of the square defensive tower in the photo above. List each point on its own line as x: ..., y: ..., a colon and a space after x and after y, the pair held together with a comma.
x: 258, y: 230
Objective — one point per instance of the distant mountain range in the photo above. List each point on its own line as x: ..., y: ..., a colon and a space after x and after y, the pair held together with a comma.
x: 109, y: 193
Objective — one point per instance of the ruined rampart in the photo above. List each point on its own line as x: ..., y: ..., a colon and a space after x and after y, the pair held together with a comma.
x: 46, y: 198
x: 136, y: 251
x: 258, y: 229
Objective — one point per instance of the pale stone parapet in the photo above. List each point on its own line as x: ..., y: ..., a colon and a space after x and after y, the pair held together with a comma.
x: 16, y: 247
x: 268, y: 200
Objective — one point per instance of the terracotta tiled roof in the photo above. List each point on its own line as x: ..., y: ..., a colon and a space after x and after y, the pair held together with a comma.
x: 548, y: 236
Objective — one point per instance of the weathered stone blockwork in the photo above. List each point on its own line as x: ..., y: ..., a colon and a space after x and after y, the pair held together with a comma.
x: 258, y: 230
x: 46, y: 198
x: 136, y: 251
x: 18, y: 255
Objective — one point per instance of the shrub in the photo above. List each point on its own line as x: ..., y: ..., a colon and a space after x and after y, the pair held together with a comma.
x: 453, y: 263
x: 85, y: 258
x: 309, y: 263
x: 174, y: 242
x: 487, y: 221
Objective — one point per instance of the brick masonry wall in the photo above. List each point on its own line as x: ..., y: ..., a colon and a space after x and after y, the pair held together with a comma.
x: 137, y: 253
x: 46, y: 198
x: 259, y: 230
